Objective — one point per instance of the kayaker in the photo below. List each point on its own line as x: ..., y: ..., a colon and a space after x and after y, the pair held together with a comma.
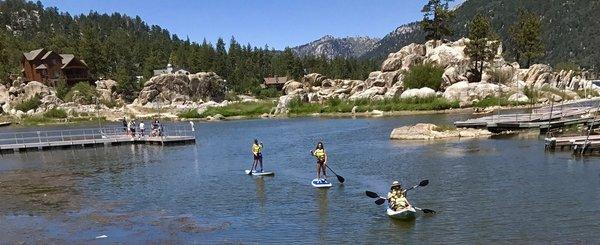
x: 397, y: 197
x: 257, y: 153
x: 321, y: 156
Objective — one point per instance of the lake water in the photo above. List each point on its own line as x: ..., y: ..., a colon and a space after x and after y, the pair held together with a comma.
x: 501, y: 190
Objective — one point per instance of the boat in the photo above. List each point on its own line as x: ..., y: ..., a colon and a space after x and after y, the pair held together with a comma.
x: 258, y: 173
x: 4, y: 124
x: 408, y: 213
x: 321, y: 184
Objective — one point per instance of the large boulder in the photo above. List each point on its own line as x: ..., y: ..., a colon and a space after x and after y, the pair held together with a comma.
x: 518, y: 97
x: 466, y: 92
x: 106, y: 89
x: 33, y: 88
x: 418, y: 93
x: 4, y: 96
x: 446, y: 55
x: 313, y: 79
x: 370, y: 93
x: 292, y: 87
x: 401, y: 59
x: 426, y: 131
x: 178, y: 88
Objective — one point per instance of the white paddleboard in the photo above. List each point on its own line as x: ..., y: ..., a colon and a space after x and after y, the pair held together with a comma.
x: 318, y: 184
x: 255, y: 173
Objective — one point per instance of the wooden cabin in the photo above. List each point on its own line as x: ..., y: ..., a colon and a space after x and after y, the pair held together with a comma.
x: 48, y: 67
x: 275, y: 81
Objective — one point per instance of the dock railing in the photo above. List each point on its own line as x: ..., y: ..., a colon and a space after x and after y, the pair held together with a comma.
x: 48, y: 136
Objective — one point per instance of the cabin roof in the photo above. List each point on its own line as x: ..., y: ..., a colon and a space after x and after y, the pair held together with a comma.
x: 275, y: 80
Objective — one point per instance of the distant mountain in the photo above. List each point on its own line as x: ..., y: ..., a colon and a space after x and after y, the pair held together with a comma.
x: 394, y: 41
x: 569, y: 29
x: 331, y: 47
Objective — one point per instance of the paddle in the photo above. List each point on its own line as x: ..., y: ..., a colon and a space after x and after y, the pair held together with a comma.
x: 340, y: 178
x: 423, y: 183
x: 251, y: 169
x: 424, y: 210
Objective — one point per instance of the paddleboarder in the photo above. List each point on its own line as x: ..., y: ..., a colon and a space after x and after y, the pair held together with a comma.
x: 257, y: 153
x: 397, y: 197
x: 321, y: 156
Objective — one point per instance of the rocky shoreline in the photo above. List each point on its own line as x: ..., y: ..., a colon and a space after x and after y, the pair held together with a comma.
x: 172, y: 95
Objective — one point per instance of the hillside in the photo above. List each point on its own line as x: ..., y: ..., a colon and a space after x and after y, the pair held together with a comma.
x: 330, y: 47
x: 569, y: 28
x: 394, y: 41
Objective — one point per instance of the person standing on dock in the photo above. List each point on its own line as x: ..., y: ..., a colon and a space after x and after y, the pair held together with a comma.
x: 257, y: 153
x: 142, y: 127
x: 125, y: 126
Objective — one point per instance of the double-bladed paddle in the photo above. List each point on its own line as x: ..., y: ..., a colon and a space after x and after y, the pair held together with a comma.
x: 381, y: 200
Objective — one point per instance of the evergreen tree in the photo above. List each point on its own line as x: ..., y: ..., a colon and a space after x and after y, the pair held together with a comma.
x: 482, y: 46
x: 437, y: 18
x: 525, y: 35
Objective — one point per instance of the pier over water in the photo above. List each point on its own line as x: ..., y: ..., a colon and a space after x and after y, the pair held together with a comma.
x: 92, y: 137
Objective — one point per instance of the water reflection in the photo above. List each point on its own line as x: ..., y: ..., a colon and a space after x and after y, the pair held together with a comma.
x: 323, y: 204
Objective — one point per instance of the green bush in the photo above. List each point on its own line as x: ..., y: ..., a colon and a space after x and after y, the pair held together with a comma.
x: 30, y: 104
x: 500, y: 77
x: 190, y: 114
x: 425, y: 75
x: 56, y: 113
x: 232, y: 96
x: 83, y: 89
x: 298, y: 107
x: 267, y: 93
x: 62, y: 89
x: 241, y: 109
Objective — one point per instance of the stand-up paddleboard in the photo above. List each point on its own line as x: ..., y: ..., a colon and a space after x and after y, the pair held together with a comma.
x: 321, y: 184
x: 257, y: 173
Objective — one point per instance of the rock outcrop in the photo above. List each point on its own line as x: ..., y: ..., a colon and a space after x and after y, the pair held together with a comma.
x: 173, y: 89
x: 425, y: 131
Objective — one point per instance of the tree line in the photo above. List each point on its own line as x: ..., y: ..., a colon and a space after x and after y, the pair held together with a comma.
x: 120, y: 47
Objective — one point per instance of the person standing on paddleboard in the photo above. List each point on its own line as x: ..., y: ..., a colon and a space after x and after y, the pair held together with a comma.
x: 257, y: 152
x: 397, y: 197
x: 321, y: 156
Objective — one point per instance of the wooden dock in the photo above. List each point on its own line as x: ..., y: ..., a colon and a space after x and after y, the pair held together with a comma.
x: 59, y: 139
x: 545, y: 118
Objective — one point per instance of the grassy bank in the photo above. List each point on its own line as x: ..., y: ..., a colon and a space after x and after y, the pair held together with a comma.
x: 296, y: 107
x: 249, y: 109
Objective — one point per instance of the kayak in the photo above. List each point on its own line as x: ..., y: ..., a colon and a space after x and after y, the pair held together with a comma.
x: 257, y: 173
x: 407, y: 213
x: 321, y: 184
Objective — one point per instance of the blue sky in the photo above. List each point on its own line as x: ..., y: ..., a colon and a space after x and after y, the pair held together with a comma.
x: 277, y: 23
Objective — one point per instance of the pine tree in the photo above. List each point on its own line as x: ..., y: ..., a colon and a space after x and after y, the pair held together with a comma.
x: 437, y: 18
x: 482, y: 46
x: 526, y: 37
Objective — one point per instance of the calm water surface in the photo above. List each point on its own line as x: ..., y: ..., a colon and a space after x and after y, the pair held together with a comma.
x: 501, y: 190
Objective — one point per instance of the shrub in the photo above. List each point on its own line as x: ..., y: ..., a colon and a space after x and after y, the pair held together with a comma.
x: 56, y: 113
x: 268, y: 93
x: 232, y: 96
x: 30, y: 104
x: 568, y: 66
x: 84, y: 91
x: 425, y: 75
x: 190, y: 114
x: 62, y: 89
x: 241, y: 109
x: 500, y: 77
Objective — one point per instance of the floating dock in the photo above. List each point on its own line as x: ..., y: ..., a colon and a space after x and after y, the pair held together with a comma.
x: 578, y: 144
x: 59, y: 139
